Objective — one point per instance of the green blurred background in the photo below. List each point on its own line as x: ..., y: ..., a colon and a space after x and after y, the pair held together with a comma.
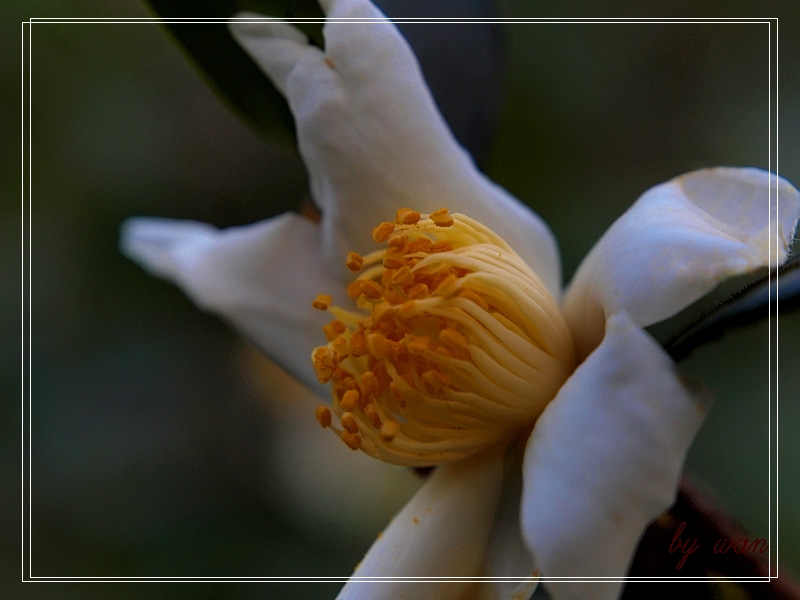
x: 161, y: 445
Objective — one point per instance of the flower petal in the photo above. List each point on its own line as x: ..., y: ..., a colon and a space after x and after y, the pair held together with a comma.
x: 507, y: 556
x: 441, y: 532
x: 373, y: 139
x: 262, y: 277
x: 604, y: 460
x: 677, y: 242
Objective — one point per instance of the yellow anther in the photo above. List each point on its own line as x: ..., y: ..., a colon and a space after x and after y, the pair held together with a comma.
x: 350, y: 400
x: 418, y: 291
x: 389, y: 430
x: 403, y: 276
x: 349, y: 423
x: 358, y: 343
x: 416, y: 344
x: 354, y: 261
x: 394, y: 296
x: 340, y: 348
x: 406, y: 216
x: 397, y: 240
x: 354, y: 289
x: 372, y: 415
x: 369, y: 383
x: 323, y: 414
x: 394, y: 259
x: 353, y: 440
x: 382, y: 231
x: 333, y: 330
x: 322, y: 302
x: 382, y: 312
x: 418, y: 245
x: 323, y: 356
x: 380, y: 347
x: 442, y: 218
x: 371, y: 289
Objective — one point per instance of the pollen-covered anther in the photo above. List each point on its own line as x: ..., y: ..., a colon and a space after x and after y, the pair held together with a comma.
x: 371, y: 289
x: 406, y: 216
x: 403, y: 276
x: 333, y: 330
x: 382, y: 231
x: 372, y: 415
x: 349, y: 423
x: 324, y: 416
x: 353, y: 440
x: 349, y: 400
x: 354, y: 261
x: 394, y: 259
x: 453, y: 344
x: 358, y: 343
x: 382, y: 312
x: 397, y: 240
x: 340, y: 348
x: 442, y: 218
x: 322, y: 302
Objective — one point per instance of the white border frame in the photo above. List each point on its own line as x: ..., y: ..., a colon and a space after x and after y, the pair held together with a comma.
x: 27, y: 200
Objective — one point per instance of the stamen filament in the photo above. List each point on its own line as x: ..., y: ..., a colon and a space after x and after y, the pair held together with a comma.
x: 454, y: 346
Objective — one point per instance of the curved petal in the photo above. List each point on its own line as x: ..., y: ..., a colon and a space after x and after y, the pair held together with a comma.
x: 441, y: 532
x: 262, y: 278
x: 372, y: 138
x: 677, y: 242
x: 508, y: 559
x: 604, y: 460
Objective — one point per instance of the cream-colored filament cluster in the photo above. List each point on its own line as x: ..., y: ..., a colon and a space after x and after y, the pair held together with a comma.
x: 455, y: 344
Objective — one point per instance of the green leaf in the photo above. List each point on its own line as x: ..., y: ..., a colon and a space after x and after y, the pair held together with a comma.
x: 226, y: 67
x: 750, y: 305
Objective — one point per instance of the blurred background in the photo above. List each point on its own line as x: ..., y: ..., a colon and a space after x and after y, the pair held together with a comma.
x: 163, y: 445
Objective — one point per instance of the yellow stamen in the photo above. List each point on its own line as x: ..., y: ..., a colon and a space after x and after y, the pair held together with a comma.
x: 323, y: 414
x: 349, y: 423
x: 454, y: 344
x: 406, y: 216
x: 442, y: 218
x: 354, y: 261
x: 349, y: 400
x: 382, y: 231
x: 322, y: 302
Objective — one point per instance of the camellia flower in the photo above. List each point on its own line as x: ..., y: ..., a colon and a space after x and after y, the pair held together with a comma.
x: 557, y: 425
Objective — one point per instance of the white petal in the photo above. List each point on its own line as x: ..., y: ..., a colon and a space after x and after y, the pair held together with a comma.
x: 373, y: 139
x: 507, y: 556
x: 262, y: 278
x: 604, y: 460
x: 677, y: 242
x: 441, y: 532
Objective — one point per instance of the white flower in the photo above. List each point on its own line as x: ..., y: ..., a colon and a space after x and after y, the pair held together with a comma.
x: 604, y: 457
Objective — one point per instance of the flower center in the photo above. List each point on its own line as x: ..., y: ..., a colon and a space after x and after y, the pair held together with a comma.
x: 455, y: 344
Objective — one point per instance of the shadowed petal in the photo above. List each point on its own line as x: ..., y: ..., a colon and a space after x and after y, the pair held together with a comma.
x: 676, y: 243
x: 372, y: 138
x: 507, y: 556
x: 604, y: 460
x: 441, y: 532
x: 262, y: 278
